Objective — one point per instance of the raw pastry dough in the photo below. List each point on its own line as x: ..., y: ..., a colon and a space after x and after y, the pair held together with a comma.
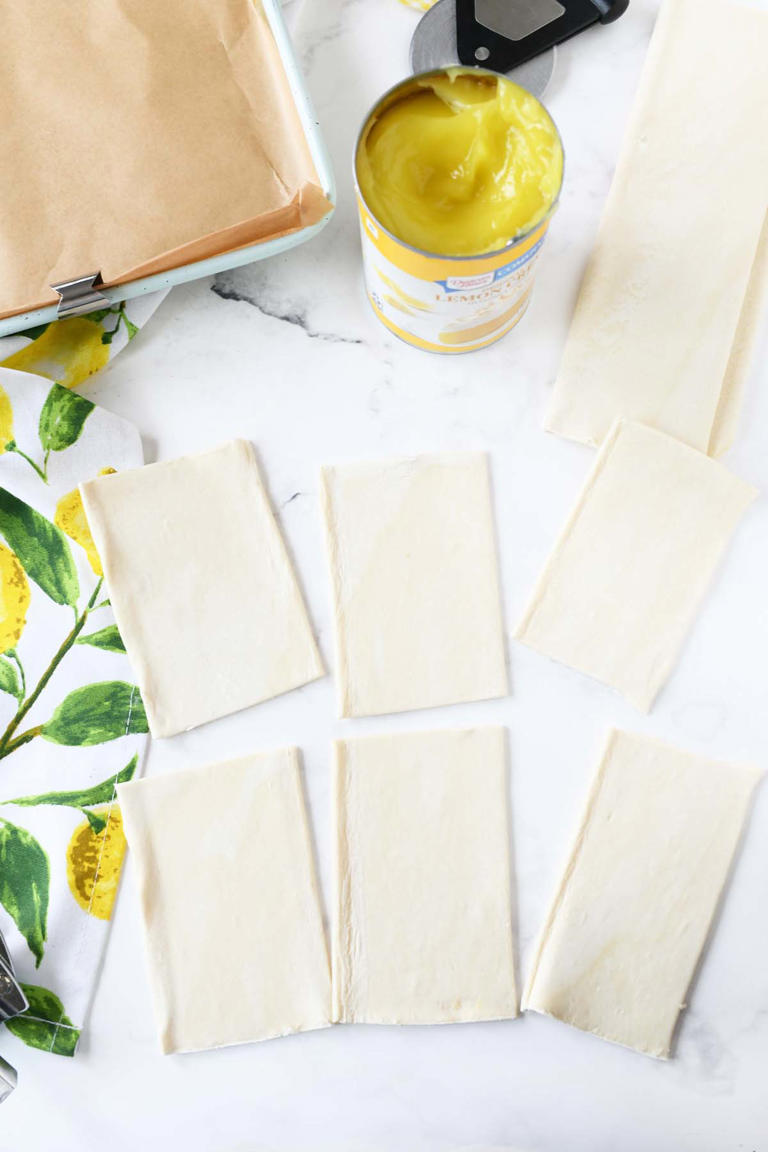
x: 753, y: 309
x: 423, y: 923
x: 201, y: 586
x: 666, y: 311
x: 232, y: 918
x: 623, y: 583
x: 639, y: 892
x: 414, y: 570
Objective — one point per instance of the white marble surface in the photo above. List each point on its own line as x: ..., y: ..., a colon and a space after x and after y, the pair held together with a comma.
x: 289, y: 355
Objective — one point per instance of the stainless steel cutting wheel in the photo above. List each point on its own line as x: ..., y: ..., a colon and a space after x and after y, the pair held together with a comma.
x: 434, y: 46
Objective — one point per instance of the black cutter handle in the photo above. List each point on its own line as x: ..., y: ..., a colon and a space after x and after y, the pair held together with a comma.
x: 479, y: 45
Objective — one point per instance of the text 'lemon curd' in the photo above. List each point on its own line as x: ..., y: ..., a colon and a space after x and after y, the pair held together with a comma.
x: 461, y: 164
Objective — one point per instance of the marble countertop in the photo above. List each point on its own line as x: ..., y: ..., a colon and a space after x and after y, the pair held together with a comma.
x: 289, y: 354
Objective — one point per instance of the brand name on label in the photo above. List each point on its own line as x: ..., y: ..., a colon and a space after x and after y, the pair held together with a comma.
x: 520, y: 267
x: 462, y: 283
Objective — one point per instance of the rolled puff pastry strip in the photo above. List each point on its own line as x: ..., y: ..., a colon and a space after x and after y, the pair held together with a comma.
x: 417, y: 607
x: 664, y: 322
x: 422, y: 926
x: 637, y: 898
x: 632, y: 564
x: 201, y: 585
x: 232, y: 921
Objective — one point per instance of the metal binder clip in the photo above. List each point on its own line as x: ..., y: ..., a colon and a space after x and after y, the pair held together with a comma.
x: 77, y: 297
x: 12, y: 1002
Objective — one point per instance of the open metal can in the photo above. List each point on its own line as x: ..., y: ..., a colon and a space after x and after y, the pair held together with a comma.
x: 444, y: 303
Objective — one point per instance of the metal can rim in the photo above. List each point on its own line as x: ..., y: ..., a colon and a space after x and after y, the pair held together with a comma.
x: 415, y: 77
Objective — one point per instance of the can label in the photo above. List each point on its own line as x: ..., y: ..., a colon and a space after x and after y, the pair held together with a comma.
x: 447, y: 304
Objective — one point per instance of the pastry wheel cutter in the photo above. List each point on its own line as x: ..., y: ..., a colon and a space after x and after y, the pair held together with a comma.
x: 12, y: 1002
x: 512, y: 36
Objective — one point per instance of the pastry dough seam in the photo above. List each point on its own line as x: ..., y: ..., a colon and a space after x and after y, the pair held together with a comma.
x: 144, y: 866
x: 334, y: 563
x: 574, y: 852
x: 727, y: 411
x: 565, y: 532
x: 291, y: 570
x: 347, y: 968
x: 339, y: 948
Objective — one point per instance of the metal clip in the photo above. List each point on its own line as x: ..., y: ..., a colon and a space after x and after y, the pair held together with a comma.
x: 77, y: 297
x: 12, y: 1002
x: 8, y: 1079
x: 12, y: 999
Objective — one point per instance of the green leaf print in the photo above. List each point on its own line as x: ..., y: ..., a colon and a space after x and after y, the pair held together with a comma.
x: 41, y: 548
x: 9, y: 678
x: 33, y: 333
x: 97, y: 713
x: 24, y: 878
x: 45, y: 1024
x: 97, y: 823
x: 118, y: 311
x: 102, y: 793
x: 108, y: 639
x: 62, y: 418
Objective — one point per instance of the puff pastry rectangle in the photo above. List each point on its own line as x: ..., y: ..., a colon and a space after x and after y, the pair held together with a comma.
x: 423, y: 922
x: 667, y: 310
x: 636, y: 901
x: 201, y: 585
x: 414, y: 571
x: 634, y: 560
x: 232, y: 918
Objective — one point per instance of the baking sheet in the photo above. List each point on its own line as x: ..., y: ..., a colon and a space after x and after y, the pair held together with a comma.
x: 135, y: 137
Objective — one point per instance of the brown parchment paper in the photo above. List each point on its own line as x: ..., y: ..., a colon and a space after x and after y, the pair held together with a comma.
x: 137, y: 135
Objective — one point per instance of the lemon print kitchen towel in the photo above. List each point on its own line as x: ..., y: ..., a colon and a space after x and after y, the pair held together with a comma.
x: 72, y: 722
x: 69, y: 351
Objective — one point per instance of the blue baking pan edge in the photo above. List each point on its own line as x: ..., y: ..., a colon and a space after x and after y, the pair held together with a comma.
x: 239, y: 256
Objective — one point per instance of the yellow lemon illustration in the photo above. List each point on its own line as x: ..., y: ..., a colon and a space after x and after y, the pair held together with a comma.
x: 6, y: 420
x: 402, y: 295
x: 69, y: 351
x: 393, y: 303
x: 70, y: 517
x: 93, y: 863
x: 14, y: 599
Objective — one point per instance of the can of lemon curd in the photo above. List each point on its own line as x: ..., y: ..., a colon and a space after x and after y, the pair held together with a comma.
x: 457, y: 174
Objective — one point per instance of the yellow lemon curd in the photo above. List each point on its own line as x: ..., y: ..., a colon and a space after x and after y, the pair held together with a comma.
x: 461, y: 163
